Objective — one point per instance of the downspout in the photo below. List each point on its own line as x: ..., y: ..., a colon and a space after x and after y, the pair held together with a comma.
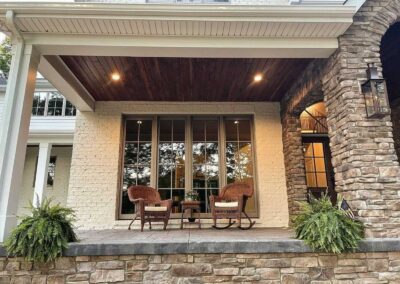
x: 10, y: 23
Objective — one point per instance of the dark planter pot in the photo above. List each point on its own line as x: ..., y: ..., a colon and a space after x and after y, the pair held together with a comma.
x: 191, y: 220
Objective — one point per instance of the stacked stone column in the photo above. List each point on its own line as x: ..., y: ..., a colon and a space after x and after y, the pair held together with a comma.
x: 363, y: 154
x: 364, y: 159
x: 294, y: 162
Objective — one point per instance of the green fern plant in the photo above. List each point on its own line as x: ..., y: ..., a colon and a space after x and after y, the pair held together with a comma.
x: 44, y: 235
x: 326, y: 228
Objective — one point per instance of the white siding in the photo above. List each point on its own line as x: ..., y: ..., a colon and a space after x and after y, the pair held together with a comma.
x: 58, y: 192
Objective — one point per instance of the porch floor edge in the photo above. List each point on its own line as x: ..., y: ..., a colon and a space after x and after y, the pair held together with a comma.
x: 284, y: 246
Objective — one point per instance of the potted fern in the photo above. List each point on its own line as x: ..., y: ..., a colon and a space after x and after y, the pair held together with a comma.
x: 326, y: 228
x: 44, y: 235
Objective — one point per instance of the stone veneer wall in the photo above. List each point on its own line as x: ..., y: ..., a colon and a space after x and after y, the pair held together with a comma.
x: 306, y: 91
x: 366, y: 166
x: 294, y: 163
x: 96, y: 159
x: 287, y: 268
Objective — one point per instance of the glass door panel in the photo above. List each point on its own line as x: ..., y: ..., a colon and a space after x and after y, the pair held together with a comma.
x: 137, y: 159
x: 239, y: 155
x: 205, y: 158
x: 171, y: 161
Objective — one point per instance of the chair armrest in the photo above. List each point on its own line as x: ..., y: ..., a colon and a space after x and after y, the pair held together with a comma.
x: 214, y: 198
x: 137, y: 200
x: 167, y: 203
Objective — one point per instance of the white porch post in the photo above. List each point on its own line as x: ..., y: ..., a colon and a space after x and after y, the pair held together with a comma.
x: 15, y: 128
x: 41, y: 172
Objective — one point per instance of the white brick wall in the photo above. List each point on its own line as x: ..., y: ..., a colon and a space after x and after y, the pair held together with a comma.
x: 58, y: 192
x: 95, y: 166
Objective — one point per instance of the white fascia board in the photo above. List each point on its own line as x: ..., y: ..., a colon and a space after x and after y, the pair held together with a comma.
x: 52, y: 128
x: 182, y: 47
x: 54, y: 139
x: 42, y: 85
x: 97, y: 10
x: 318, y: 2
x: 353, y: 3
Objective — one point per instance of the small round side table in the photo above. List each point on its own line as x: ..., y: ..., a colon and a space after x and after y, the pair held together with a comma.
x: 193, y: 206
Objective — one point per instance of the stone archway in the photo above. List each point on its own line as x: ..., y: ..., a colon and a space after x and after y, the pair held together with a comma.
x: 306, y: 91
x: 364, y: 159
x: 367, y: 171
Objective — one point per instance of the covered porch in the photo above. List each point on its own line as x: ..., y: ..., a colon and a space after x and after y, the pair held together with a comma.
x: 188, y: 78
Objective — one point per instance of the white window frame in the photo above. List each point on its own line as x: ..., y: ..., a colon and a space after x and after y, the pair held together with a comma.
x: 46, y: 107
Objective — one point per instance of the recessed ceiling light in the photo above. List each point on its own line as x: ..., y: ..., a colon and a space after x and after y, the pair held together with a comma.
x: 115, y: 76
x: 258, y: 77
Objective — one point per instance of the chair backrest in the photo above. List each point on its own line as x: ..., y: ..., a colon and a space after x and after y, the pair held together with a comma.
x: 148, y: 193
x: 237, y: 189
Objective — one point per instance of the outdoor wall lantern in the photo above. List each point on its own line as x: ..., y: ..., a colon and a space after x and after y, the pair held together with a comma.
x: 375, y: 94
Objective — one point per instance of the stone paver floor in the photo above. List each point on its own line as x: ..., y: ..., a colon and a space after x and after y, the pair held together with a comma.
x: 119, y: 236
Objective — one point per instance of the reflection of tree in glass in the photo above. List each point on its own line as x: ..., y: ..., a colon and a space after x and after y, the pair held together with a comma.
x: 239, y: 161
x: 171, y: 164
x: 137, y: 176
x: 132, y: 157
x: 137, y: 164
x: 205, y: 153
x: 170, y: 153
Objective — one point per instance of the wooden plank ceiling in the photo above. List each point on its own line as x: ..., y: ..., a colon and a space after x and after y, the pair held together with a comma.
x: 185, y: 79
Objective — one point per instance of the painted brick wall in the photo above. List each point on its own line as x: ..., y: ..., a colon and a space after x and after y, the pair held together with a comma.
x: 96, y: 159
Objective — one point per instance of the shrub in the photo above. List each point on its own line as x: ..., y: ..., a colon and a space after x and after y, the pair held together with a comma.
x: 44, y: 235
x: 326, y: 228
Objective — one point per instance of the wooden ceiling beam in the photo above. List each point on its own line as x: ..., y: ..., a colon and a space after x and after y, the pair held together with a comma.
x: 61, y: 77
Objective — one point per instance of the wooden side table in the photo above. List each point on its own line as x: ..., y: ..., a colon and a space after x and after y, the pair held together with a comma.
x: 193, y: 206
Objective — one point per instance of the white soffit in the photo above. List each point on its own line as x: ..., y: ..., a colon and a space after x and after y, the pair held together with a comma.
x: 290, y: 21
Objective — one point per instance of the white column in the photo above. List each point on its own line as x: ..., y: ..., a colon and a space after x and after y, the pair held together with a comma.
x: 42, y: 170
x: 15, y: 128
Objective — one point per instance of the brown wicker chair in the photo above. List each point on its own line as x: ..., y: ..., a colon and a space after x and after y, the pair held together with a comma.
x: 231, y: 203
x: 148, y: 206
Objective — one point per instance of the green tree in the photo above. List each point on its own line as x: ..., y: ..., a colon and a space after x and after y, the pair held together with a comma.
x: 5, y: 57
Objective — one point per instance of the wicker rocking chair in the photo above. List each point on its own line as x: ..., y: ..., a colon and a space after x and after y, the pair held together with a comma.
x: 231, y: 203
x: 148, y: 206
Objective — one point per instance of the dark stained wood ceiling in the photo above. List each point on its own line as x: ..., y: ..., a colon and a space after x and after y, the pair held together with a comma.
x: 185, y: 79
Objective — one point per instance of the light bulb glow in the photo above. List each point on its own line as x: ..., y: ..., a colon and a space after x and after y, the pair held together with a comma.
x: 115, y: 76
x: 258, y: 77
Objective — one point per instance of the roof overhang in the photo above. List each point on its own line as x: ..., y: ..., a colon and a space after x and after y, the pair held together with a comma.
x: 181, y: 30
x: 152, y: 30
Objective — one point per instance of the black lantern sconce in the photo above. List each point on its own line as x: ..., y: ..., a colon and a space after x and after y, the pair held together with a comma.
x: 375, y: 94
